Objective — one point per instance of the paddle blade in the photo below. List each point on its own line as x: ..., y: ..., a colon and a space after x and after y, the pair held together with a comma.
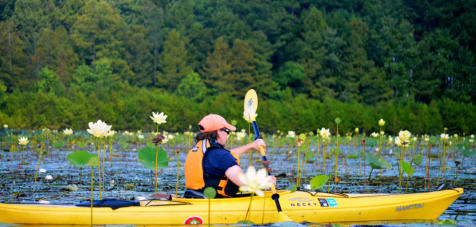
x: 250, y: 105
x: 282, y: 217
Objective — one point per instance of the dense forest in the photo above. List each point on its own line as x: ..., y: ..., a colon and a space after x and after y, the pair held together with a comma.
x: 411, y: 62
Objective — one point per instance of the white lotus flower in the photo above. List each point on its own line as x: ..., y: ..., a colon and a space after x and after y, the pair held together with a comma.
x: 397, y: 141
x: 444, y: 136
x: 307, y: 187
x: 141, y: 137
x: 240, y: 135
x: 291, y: 134
x: 325, y: 133
x: 5, y: 126
x: 159, y: 118
x: 254, y: 181
x: 170, y: 137
x: 68, y: 131
x: 99, y: 129
x: 23, y: 141
x: 390, y: 140
x: 110, y: 133
x: 49, y: 177
x: 404, y: 137
x: 381, y: 122
x: 42, y: 170
x: 250, y: 115
x: 374, y: 134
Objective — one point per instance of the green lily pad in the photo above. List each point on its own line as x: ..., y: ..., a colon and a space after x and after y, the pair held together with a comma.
x: 319, y: 181
x: 407, y: 168
x: 377, y: 162
x: 292, y: 187
x: 147, y: 157
x: 417, y: 159
x: 210, y: 192
x: 79, y: 158
x: 309, y: 155
x: 93, y: 161
x: 58, y: 144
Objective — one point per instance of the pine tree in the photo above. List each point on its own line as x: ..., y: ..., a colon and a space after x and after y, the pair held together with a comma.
x: 173, y: 62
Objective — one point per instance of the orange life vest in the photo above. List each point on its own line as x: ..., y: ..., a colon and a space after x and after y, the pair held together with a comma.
x: 194, y: 170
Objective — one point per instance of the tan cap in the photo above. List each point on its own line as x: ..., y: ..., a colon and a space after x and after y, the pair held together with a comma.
x: 214, y: 122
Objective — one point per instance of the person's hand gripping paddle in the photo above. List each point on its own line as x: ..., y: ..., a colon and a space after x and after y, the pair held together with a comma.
x: 250, y: 108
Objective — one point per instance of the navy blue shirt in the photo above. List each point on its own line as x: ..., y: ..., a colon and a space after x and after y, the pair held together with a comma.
x: 215, y: 163
x: 217, y: 160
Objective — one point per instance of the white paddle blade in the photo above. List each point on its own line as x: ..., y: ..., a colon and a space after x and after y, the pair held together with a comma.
x: 250, y: 105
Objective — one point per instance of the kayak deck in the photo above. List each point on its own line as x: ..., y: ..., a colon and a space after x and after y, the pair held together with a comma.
x: 299, y: 206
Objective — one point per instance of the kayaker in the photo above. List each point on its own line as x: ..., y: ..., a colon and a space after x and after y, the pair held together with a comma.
x: 210, y: 164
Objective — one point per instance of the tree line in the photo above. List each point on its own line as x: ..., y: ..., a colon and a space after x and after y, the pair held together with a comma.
x: 78, y: 60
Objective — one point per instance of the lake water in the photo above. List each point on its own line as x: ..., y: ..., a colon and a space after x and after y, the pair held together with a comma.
x: 126, y: 178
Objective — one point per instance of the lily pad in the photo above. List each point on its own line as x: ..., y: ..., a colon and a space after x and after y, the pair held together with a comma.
x: 210, y: 192
x: 407, y: 168
x: 147, y: 157
x: 319, y: 181
x: 377, y: 162
x: 79, y: 158
x: 417, y: 159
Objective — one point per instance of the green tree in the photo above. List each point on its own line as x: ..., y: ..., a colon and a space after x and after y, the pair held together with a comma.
x: 54, y: 50
x: 12, y: 60
x: 173, y: 65
x: 192, y: 87
x: 218, y: 67
x: 361, y: 80
x: 48, y: 81
x: 291, y: 74
x: 97, y: 32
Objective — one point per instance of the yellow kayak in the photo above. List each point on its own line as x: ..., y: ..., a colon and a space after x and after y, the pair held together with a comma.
x: 298, y: 206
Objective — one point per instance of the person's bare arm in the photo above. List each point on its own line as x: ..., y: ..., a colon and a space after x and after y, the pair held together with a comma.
x: 245, y: 148
x: 232, y: 174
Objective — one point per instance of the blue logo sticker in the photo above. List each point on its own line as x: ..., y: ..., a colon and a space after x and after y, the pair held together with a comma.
x: 332, y: 202
x: 323, y: 203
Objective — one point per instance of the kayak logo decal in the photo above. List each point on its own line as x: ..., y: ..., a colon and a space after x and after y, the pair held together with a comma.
x: 409, y: 207
x: 323, y: 203
x: 332, y: 202
x: 194, y: 220
x: 302, y: 202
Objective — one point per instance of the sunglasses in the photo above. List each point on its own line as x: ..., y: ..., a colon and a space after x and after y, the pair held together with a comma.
x: 226, y: 130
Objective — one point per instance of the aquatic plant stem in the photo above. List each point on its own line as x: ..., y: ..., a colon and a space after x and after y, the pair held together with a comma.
x: 427, y: 167
x: 249, y: 207
x: 336, y: 153
x: 99, y: 167
x: 178, y: 165
x: 103, y: 167
x: 324, y: 158
x: 156, y: 162
x: 37, y: 168
x: 298, y: 165
x: 209, y: 216
x: 92, y: 193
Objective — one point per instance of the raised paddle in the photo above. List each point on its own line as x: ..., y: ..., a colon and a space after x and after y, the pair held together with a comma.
x: 250, y: 107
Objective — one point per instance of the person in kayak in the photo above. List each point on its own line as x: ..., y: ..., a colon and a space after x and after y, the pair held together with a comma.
x: 210, y: 164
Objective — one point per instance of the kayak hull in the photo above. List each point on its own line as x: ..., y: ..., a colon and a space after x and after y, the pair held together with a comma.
x: 298, y: 206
